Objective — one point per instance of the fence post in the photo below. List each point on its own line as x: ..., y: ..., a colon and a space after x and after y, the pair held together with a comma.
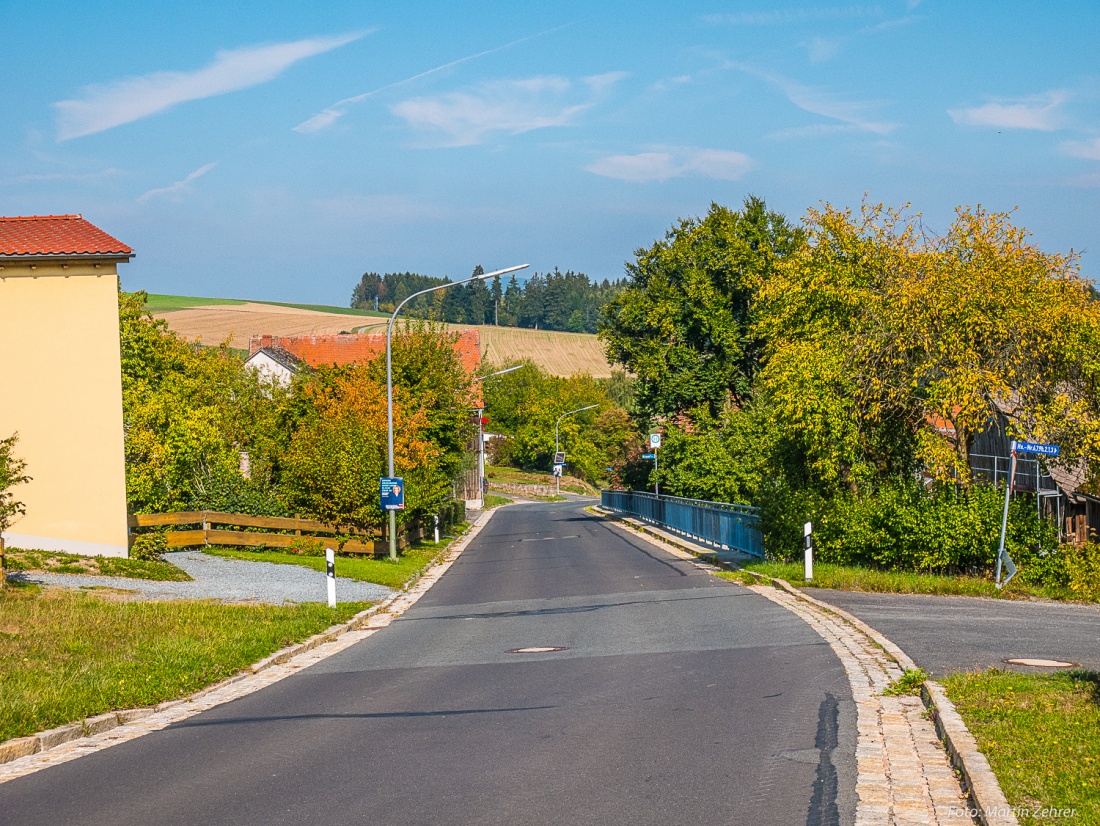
x: 808, y: 532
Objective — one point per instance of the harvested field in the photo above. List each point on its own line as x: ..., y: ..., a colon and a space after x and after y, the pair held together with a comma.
x: 561, y: 354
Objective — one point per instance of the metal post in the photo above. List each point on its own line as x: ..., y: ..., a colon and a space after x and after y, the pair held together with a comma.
x: 656, y: 477
x: 389, y: 377
x: 481, y: 455
x: 1004, y: 516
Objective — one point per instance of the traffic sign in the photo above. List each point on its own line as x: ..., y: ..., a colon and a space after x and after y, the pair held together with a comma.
x: 392, y: 491
x: 649, y: 455
x: 654, y: 440
x: 1036, y: 447
x: 558, y: 469
x: 559, y: 457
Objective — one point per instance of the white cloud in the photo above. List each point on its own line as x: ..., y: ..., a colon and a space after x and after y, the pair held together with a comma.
x: 783, y: 17
x: 337, y: 110
x: 821, y: 49
x: 1038, y: 112
x: 1090, y: 150
x: 107, y: 105
x: 678, y: 162
x: 820, y: 102
x: 511, y: 106
x: 178, y: 186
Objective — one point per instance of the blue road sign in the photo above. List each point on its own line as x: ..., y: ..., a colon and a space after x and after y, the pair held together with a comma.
x: 649, y: 455
x: 393, y: 493
x: 1036, y: 447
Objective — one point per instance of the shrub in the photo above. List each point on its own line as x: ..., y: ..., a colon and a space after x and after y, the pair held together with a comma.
x: 148, y: 546
x: 1083, y: 570
x: 307, y: 546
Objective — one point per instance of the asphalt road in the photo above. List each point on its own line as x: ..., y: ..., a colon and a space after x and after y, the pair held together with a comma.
x: 945, y: 635
x: 678, y: 698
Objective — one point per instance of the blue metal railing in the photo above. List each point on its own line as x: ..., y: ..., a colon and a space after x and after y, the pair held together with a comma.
x: 719, y: 524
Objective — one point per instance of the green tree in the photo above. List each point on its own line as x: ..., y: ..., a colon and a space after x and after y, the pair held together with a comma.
x: 12, y: 473
x: 682, y: 324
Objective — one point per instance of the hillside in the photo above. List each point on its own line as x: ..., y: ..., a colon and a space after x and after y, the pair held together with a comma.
x: 210, y: 322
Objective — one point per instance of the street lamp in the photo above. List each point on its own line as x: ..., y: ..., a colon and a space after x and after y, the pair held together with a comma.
x: 557, y: 479
x: 389, y: 375
x: 481, y: 431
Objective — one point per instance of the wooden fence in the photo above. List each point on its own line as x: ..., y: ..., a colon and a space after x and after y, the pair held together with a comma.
x: 295, y: 529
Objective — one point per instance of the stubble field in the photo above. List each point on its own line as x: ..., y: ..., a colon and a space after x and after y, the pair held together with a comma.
x: 561, y: 354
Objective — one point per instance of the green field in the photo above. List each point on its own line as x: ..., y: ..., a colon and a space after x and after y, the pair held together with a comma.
x: 167, y: 303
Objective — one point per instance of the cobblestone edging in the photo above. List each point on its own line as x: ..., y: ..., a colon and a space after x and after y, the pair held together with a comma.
x: 25, y: 755
x: 987, y: 803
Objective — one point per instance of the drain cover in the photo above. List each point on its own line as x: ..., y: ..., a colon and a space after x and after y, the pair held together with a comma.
x: 1039, y: 663
x: 537, y: 649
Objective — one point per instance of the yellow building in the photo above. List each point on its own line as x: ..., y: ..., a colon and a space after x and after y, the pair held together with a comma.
x: 61, y: 382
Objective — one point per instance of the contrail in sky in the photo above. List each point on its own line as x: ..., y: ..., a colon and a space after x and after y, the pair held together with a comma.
x: 331, y: 114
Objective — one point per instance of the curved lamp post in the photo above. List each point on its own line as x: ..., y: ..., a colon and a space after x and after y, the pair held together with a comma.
x: 389, y: 376
x: 557, y: 479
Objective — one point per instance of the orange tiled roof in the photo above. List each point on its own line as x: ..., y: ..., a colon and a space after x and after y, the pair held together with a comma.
x: 349, y: 348
x: 56, y: 235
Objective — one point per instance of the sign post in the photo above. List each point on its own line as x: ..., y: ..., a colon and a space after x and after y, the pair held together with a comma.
x: 1003, y: 559
x: 808, y: 533
x: 654, y: 446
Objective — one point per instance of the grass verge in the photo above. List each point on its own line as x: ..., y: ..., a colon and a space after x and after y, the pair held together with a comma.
x: 392, y: 574
x: 849, y: 578
x: 62, y: 563
x: 68, y: 655
x: 492, y: 500
x: 1041, y: 735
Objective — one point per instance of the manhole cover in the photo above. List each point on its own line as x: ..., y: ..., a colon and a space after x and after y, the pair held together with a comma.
x: 536, y: 649
x: 1039, y: 663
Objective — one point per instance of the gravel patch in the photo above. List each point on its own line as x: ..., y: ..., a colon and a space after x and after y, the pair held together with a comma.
x: 228, y: 580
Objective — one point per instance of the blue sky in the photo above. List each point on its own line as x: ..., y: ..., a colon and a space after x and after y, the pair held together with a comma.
x: 279, y: 150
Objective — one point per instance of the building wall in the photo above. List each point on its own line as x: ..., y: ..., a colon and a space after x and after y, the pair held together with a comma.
x: 61, y: 389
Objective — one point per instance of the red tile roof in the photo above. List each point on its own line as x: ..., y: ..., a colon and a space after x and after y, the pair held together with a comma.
x: 57, y: 235
x: 348, y: 348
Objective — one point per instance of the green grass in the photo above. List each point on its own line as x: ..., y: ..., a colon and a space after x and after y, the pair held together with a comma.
x: 908, y: 683
x: 392, y: 574
x: 510, y: 475
x: 68, y: 655
x: 850, y: 578
x: 62, y: 563
x: 492, y: 500
x: 166, y: 303
x: 1041, y: 735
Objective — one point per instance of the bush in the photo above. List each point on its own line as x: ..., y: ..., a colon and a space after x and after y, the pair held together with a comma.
x: 148, y: 546
x: 1083, y: 569
x: 306, y: 546
x: 904, y: 526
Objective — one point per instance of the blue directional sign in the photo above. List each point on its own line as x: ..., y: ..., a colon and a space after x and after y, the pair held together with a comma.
x: 1036, y: 447
x: 649, y: 455
x: 393, y: 493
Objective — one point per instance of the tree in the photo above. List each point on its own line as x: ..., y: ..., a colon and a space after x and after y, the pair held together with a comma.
x: 11, y: 474
x: 682, y: 324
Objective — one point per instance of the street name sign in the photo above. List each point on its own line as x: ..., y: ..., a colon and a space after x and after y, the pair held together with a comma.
x: 1036, y: 447
x: 393, y: 493
x: 649, y: 455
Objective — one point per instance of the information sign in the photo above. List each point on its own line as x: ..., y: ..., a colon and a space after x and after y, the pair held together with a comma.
x: 654, y: 440
x: 558, y: 469
x: 393, y: 493
x: 559, y: 457
x: 1036, y: 447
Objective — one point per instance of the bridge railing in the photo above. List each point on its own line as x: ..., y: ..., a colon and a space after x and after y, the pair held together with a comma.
x: 721, y: 525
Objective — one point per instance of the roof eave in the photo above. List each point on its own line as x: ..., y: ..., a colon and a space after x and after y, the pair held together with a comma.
x: 30, y: 258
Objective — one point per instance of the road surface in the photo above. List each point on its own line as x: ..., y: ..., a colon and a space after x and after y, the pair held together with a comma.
x: 676, y: 698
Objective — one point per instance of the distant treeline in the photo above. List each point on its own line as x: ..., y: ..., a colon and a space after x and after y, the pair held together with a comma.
x: 566, y: 301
